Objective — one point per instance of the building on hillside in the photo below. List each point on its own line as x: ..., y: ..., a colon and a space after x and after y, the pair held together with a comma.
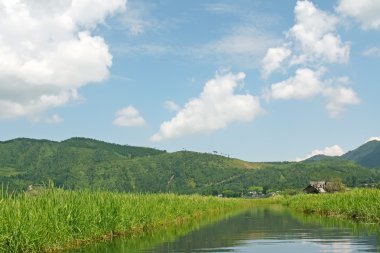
x: 316, y: 187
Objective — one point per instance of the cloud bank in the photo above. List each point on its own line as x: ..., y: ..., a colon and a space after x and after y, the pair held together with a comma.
x: 373, y: 139
x: 215, y: 108
x: 328, y: 151
x: 48, y: 52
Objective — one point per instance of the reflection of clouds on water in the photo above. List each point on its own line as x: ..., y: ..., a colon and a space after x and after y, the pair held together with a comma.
x: 333, y: 246
x: 263, y: 229
x: 344, y: 246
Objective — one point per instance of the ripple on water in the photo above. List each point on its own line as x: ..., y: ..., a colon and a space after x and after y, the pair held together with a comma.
x: 266, y: 229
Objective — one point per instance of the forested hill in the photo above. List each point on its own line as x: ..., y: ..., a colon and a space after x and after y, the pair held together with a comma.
x: 42, y: 159
x: 367, y: 155
x: 86, y: 163
x: 13, y: 148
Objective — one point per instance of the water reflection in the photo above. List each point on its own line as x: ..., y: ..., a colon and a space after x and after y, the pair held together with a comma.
x: 264, y: 229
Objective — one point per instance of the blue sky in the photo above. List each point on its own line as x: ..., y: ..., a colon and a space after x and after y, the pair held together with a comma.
x: 257, y: 80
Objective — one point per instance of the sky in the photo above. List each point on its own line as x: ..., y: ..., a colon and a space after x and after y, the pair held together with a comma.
x: 262, y: 80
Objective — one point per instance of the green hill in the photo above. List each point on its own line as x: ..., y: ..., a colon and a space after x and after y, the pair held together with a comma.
x: 86, y: 163
x: 367, y: 155
x: 322, y: 158
x: 37, y: 161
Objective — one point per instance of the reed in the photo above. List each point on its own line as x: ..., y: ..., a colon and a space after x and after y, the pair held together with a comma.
x: 54, y: 219
x: 359, y: 204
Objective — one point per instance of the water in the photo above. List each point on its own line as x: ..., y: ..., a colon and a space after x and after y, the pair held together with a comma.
x: 265, y: 229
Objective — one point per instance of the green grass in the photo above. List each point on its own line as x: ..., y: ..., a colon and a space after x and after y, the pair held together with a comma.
x: 54, y: 219
x: 360, y: 204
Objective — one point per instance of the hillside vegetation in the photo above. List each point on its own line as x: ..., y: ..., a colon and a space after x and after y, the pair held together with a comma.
x: 367, y: 155
x: 80, y: 163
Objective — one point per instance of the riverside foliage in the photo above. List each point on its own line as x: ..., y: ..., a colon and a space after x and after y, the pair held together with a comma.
x: 55, y: 219
x: 359, y: 204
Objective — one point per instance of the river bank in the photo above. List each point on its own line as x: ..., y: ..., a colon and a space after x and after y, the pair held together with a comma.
x: 262, y: 228
x: 361, y: 205
x: 54, y: 219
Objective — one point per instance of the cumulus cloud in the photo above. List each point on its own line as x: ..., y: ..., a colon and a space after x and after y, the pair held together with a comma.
x: 128, y: 117
x: 311, y: 41
x: 305, y: 84
x: 373, y: 139
x: 48, y: 52
x: 338, y: 98
x: 308, y: 83
x: 172, y: 106
x: 315, y: 35
x: 273, y: 59
x: 311, y: 44
x: 215, y: 108
x: 328, y: 151
x: 366, y: 12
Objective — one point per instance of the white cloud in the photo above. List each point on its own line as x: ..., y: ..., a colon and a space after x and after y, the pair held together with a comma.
x: 220, y: 8
x: 138, y: 19
x: 305, y: 84
x: 315, y: 35
x: 367, y: 12
x: 48, y: 53
x: 244, y: 46
x: 338, y: 98
x: 273, y: 59
x: 128, y: 117
x: 373, y: 139
x: 373, y: 51
x: 312, y: 41
x: 55, y: 119
x: 172, y: 106
x: 215, y: 108
x: 328, y: 151
x: 91, y: 12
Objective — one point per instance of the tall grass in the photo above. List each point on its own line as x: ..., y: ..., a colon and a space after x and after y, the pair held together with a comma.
x: 360, y: 204
x: 55, y: 219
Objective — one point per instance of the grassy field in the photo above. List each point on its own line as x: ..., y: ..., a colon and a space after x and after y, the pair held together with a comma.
x: 54, y: 219
x: 360, y: 204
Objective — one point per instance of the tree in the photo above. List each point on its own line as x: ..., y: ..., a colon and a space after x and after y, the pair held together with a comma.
x: 265, y: 189
x: 335, y: 186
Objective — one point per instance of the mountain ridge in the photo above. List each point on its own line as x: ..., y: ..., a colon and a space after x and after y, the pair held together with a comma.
x: 367, y: 155
x: 83, y: 163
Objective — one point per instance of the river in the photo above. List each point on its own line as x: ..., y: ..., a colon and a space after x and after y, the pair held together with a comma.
x: 270, y: 229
